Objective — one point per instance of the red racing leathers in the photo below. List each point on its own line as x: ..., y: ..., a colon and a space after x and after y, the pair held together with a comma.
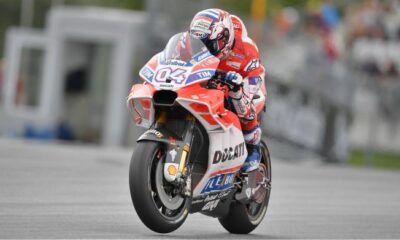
x: 245, y: 60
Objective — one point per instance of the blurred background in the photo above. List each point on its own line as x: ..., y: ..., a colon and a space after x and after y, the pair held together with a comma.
x: 333, y: 81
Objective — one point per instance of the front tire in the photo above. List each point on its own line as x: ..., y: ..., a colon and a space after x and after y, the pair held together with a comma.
x: 244, y: 218
x: 147, y: 186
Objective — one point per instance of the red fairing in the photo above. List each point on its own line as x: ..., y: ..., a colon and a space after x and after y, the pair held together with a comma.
x: 209, y: 105
x: 141, y: 90
x: 140, y: 104
x: 206, y: 104
x: 212, y: 97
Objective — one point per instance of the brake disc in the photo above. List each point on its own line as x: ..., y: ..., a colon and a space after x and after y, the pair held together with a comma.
x: 260, y: 191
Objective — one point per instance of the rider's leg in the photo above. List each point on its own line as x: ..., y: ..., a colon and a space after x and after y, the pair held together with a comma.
x: 252, y: 136
x: 245, y: 109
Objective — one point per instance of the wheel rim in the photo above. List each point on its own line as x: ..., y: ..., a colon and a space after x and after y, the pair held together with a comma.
x: 167, y: 199
x: 171, y: 207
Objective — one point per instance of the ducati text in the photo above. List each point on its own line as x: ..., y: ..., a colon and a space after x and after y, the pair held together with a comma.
x: 229, y: 153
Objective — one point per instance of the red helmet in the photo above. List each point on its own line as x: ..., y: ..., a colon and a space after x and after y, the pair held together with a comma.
x: 214, y: 27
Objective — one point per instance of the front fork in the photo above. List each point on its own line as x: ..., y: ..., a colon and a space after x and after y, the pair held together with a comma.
x: 175, y: 167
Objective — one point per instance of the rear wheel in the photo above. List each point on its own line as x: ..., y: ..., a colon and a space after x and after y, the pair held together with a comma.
x: 155, y: 201
x: 244, y: 218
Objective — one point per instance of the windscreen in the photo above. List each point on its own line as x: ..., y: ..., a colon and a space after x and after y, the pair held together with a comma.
x: 182, y: 48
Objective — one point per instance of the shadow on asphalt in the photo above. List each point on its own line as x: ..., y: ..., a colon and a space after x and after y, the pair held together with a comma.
x: 218, y: 236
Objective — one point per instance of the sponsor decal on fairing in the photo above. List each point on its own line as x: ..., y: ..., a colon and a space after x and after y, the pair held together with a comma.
x: 174, y: 62
x: 229, y: 153
x: 210, y: 205
x: 217, y: 196
x: 219, y: 182
x: 178, y: 75
x: 147, y: 74
x: 211, y: 197
x: 166, y: 86
x: 200, y: 75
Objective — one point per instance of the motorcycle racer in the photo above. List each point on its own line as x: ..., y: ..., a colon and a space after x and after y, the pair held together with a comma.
x: 225, y: 36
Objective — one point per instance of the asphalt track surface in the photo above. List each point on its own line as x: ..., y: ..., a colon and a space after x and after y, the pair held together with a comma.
x: 58, y: 191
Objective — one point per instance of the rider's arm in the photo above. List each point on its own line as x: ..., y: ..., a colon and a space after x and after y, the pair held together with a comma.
x: 253, y: 77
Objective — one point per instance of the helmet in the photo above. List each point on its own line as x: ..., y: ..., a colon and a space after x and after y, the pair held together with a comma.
x: 215, y: 29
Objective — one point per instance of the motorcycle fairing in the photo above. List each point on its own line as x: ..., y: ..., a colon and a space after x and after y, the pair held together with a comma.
x: 175, y: 74
x: 213, y: 204
x: 140, y: 104
x: 227, y: 151
x: 220, y: 175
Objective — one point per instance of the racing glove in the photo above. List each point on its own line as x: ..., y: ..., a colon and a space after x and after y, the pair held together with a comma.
x: 234, y: 80
x: 240, y: 102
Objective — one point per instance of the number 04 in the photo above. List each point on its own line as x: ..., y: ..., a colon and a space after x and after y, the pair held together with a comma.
x: 177, y: 75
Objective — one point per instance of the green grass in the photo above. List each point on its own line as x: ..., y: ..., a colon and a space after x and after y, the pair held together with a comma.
x: 384, y: 160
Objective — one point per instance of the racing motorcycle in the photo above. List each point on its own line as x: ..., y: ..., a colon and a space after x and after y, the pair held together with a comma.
x: 190, y: 157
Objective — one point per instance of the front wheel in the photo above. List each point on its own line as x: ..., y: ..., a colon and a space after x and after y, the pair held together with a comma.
x: 156, y: 204
x: 244, y: 218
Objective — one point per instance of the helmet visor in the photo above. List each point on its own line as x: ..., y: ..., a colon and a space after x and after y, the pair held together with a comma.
x: 215, y: 45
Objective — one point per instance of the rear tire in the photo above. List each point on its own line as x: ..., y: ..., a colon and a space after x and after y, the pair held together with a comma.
x: 144, y: 191
x: 242, y: 219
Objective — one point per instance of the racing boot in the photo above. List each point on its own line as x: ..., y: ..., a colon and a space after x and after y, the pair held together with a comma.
x: 251, y: 176
x: 252, y: 139
x: 253, y: 158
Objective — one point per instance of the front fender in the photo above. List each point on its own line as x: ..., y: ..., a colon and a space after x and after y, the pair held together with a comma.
x: 156, y: 135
